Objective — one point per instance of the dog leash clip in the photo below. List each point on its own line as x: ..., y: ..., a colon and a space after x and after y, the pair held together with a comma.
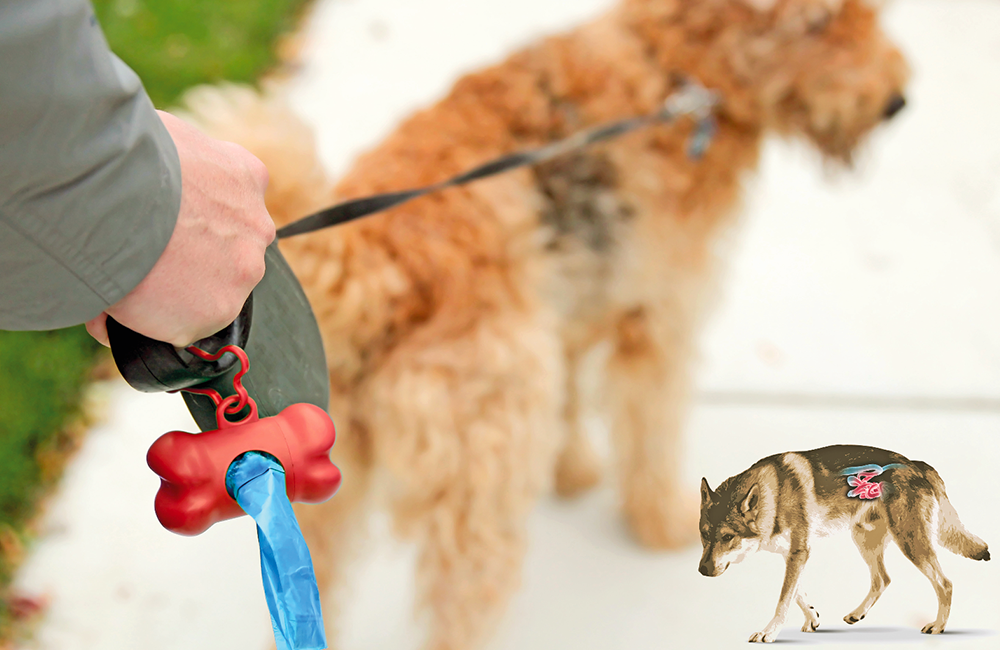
x: 692, y: 99
x: 699, y: 103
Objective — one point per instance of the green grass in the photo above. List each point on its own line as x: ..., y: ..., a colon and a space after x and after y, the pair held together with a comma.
x: 172, y: 45
x: 42, y: 377
x: 176, y: 44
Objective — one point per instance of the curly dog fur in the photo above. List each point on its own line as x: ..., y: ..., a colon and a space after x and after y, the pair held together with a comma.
x: 454, y: 325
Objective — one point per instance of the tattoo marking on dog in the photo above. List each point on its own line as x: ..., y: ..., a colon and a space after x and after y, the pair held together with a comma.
x: 859, y: 479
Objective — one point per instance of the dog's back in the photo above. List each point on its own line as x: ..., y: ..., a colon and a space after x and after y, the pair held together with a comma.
x: 810, y: 489
x: 913, y: 495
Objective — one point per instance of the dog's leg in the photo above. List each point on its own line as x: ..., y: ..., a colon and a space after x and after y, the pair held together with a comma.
x: 812, y: 616
x: 647, y: 387
x: 334, y: 529
x: 470, y: 560
x: 578, y: 467
x: 914, y: 541
x: 794, y: 563
x: 942, y: 586
x: 871, y: 542
x: 468, y: 432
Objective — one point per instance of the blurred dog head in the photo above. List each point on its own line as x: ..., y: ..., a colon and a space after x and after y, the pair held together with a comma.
x: 833, y: 74
x: 819, y: 68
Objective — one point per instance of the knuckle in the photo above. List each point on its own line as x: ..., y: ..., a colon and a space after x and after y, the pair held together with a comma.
x: 267, y: 228
x: 258, y: 170
x: 259, y: 272
x: 234, y: 309
x: 229, y: 309
x: 252, y: 270
x: 251, y: 165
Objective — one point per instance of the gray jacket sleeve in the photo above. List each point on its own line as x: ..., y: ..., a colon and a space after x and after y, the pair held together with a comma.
x: 90, y: 181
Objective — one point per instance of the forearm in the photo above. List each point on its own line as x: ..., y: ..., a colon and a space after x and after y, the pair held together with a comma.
x: 89, y: 177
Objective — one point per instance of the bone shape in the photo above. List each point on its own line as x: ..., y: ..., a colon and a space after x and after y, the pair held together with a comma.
x: 192, y: 467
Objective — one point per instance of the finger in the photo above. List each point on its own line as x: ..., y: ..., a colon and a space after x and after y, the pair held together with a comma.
x: 98, y: 328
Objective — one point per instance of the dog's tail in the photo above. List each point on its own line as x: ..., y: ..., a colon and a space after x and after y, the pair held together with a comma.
x: 954, y: 537
x: 951, y: 533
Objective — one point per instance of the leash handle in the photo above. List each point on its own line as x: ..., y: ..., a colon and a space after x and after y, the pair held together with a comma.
x: 152, y: 366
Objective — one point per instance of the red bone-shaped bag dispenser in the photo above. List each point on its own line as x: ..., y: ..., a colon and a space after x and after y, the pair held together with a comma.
x: 192, y: 467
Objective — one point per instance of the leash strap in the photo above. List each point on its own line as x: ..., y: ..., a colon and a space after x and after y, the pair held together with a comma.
x: 691, y: 99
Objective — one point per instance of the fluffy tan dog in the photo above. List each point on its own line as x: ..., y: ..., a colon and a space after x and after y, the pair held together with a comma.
x: 454, y: 324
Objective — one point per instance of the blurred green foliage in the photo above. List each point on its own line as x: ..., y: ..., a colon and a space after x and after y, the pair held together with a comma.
x: 42, y: 375
x: 172, y: 45
x: 176, y: 44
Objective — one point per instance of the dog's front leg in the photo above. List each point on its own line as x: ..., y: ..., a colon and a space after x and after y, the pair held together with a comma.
x: 648, y: 389
x: 794, y: 563
x: 812, y: 616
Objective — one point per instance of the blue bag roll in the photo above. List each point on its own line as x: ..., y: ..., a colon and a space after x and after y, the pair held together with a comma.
x: 257, y: 481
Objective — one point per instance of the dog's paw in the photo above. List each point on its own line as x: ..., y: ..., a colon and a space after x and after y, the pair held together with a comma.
x: 578, y: 470
x: 812, y: 621
x: 853, y: 618
x: 933, y: 628
x: 664, y: 525
x: 763, y: 637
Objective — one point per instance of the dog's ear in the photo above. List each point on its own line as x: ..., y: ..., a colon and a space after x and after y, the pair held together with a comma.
x: 749, y: 508
x: 706, y: 494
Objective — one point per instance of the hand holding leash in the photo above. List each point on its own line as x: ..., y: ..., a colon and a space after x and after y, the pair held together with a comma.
x: 215, y: 255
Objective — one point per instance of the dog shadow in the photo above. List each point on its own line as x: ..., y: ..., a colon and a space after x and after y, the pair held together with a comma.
x: 874, y: 635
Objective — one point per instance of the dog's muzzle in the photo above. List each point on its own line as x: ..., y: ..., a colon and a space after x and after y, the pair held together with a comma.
x: 709, y: 569
x: 896, y: 104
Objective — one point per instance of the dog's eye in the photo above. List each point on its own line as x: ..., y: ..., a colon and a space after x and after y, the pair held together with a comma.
x: 728, y: 538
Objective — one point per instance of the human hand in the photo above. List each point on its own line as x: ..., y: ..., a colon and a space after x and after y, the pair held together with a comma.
x: 215, y: 256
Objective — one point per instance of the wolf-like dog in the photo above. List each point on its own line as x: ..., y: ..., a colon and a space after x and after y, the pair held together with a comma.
x: 784, y: 501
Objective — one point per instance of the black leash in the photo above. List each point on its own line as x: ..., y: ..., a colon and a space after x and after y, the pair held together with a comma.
x: 692, y: 99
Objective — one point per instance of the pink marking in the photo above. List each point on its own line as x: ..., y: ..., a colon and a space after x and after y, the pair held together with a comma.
x: 862, y: 488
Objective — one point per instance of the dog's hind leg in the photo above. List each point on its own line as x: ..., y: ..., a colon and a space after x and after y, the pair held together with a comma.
x: 647, y: 385
x: 468, y: 429
x: 871, y: 537
x: 578, y: 467
x: 334, y: 529
x: 911, y: 528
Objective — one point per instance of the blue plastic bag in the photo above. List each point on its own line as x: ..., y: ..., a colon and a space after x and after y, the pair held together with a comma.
x: 257, y: 481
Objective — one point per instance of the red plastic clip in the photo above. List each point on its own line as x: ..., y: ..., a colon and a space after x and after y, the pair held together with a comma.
x: 192, y: 467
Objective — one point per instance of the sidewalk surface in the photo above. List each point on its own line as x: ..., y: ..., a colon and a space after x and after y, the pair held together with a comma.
x: 863, y: 308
